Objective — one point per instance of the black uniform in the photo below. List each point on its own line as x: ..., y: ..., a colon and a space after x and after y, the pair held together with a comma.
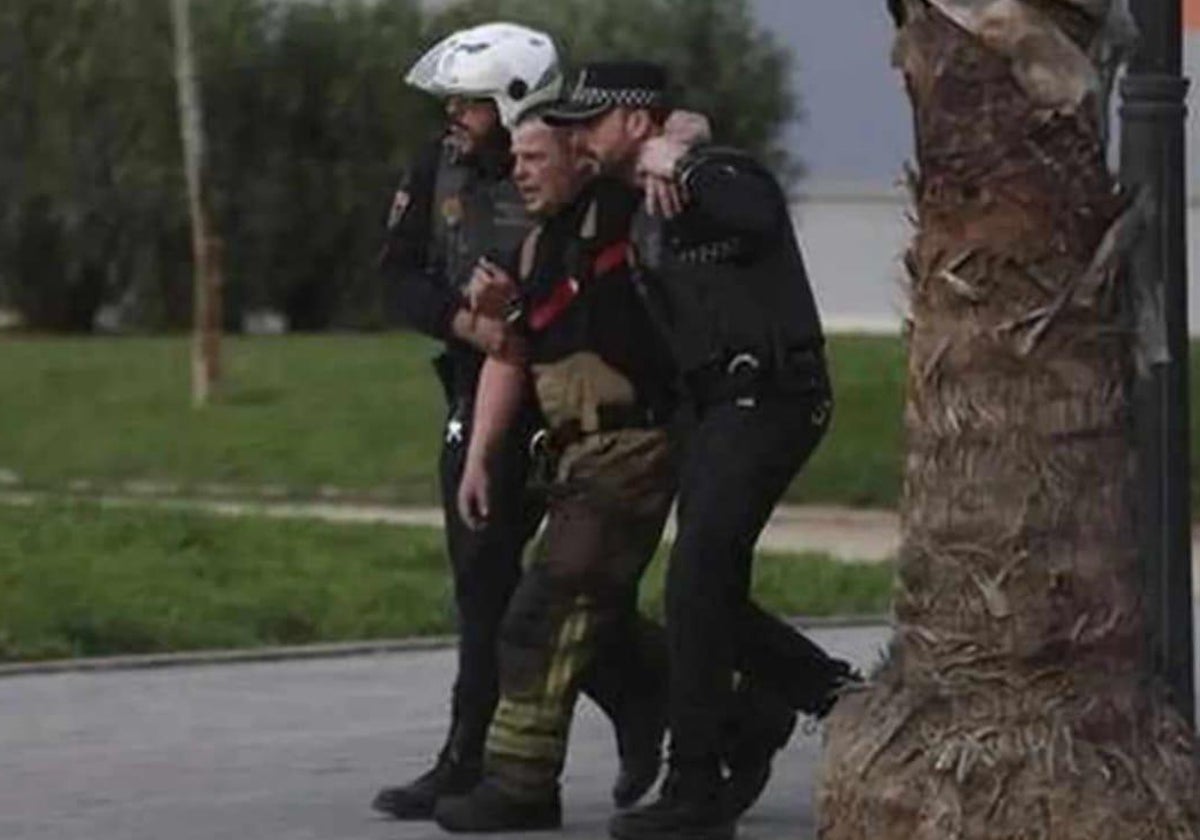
x: 748, y: 339
x: 447, y: 215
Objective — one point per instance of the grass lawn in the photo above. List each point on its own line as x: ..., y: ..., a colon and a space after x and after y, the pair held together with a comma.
x: 359, y: 412
x: 78, y: 580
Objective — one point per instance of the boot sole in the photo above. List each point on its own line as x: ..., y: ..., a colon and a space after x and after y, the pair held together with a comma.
x: 404, y: 816
x: 618, y: 831
x: 497, y: 828
x: 412, y: 814
x: 451, y: 819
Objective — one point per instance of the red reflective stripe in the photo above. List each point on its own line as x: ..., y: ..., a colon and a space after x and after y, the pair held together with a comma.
x: 546, y: 312
x: 611, y: 258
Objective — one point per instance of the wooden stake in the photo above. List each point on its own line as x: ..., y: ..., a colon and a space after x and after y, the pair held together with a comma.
x: 206, y: 244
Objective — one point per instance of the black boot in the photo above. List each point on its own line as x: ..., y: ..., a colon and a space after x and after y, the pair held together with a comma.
x: 458, y: 769
x: 761, y: 724
x: 627, y: 680
x: 415, y: 801
x: 690, y: 807
x: 639, y: 743
x: 487, y: 809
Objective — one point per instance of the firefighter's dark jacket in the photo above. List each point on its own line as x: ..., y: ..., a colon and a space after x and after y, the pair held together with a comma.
x: 579, y: 303
x: 729, y: 265
x: 447, y: 215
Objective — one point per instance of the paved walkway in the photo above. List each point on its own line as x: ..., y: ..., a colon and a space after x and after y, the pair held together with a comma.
x: 294, y: 750
x: 851, y: 534
x: 289, y: 751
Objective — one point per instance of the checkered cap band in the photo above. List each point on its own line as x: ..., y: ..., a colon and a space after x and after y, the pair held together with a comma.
x: 617, y: 97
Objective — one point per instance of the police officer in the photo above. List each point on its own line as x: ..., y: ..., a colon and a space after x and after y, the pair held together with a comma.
x: 735, y: 300
x: 456, y: 207
x: 604, y: 385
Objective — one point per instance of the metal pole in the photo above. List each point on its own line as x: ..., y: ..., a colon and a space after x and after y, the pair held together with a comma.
x: 1152, y: 159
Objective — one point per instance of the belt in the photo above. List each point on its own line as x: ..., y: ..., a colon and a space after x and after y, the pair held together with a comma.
x: 748, y: 374
x: 610, y: 418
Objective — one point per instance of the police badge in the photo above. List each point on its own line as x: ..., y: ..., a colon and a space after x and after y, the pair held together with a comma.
x: 452, y: 210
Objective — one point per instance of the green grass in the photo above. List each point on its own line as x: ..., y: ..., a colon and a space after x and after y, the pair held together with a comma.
x: 357, y: 412
x: 78, y: 580
x: 362, y: 413
x: 859, y: 462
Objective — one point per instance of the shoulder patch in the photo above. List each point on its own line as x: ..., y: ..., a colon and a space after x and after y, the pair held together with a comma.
x: 591, y: 222
x: 400, y: 204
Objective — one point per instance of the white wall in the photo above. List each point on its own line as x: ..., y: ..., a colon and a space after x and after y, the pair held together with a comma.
x: 853, y: 239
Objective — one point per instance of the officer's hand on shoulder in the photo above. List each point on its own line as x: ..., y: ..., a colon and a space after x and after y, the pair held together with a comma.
x: 664, y: 198
x: 659, y: 155
x: 657, y: 160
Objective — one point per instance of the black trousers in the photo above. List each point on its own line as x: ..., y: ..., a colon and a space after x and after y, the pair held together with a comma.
x: 487, y: 568
x: 739, y: 458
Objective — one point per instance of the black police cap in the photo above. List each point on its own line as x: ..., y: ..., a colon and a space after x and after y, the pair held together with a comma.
x: 604, y: 85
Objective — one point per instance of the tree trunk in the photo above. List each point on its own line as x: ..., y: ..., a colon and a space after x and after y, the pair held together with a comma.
x: 1014, y: 702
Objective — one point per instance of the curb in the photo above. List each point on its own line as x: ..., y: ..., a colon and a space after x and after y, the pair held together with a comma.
x: 298, y: 653
x: 154, y: 661
x: 210, y: 491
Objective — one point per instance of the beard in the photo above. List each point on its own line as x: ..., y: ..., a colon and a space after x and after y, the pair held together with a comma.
x: 466, y: 145
x: 459, y: 138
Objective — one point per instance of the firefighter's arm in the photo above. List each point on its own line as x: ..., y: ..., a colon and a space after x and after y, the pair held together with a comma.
x: 733, y: 191
x: 497, y: 402
x: 664, y: 194
x: 728, y: 188
x: 416, y: 295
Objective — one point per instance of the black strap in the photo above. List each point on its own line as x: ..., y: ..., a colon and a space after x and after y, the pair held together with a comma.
x: 658, y: 320
x: 613, y: 417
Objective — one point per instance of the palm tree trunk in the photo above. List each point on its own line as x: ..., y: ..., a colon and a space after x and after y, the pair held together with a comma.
x: 1014, y: 701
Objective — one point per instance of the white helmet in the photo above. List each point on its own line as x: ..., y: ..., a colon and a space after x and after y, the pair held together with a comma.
x: 515, y: 66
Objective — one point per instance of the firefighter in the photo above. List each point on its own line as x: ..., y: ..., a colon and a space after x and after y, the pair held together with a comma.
x: 604, y: 385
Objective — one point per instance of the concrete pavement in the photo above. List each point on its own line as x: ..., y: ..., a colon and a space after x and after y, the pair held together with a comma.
x: 288, y: 751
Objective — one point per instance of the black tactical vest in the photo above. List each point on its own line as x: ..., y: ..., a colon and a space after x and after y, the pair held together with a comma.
x: 477, y: 212
x: 474, y: 215
x: 724, y: 297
